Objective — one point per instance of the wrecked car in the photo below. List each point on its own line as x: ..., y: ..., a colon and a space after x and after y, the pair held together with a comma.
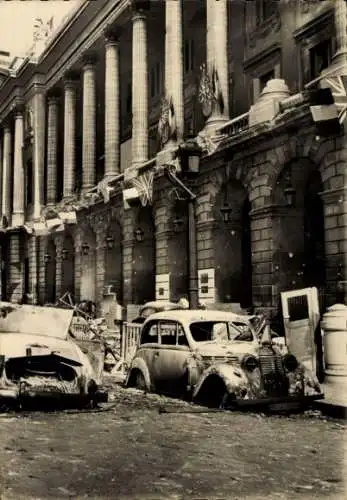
x: 40, y: 365
x: 218, y: 359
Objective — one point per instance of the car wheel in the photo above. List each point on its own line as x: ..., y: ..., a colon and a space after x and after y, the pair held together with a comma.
x: 140, y: 382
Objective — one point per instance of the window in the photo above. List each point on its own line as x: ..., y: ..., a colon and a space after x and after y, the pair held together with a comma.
x: 220, y: 331
x: 263, y: 79
x: 155, y: 79
x: 265, y: 9
x: 172, y: 333
x: 150, y: 334
x: 188, y: 56
x: 320, y: 58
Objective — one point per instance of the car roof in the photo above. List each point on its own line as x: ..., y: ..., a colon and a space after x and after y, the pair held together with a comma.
x: 190, y: 315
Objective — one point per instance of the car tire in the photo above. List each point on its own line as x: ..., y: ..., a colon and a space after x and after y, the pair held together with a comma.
x: 140, y: 382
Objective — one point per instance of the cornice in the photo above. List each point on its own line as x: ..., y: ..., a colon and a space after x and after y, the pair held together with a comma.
x: 334, y: 195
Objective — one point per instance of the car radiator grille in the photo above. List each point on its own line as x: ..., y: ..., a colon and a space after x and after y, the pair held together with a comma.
x: 274, y: 379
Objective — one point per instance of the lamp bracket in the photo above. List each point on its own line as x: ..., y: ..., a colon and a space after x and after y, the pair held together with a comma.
x: 171, y: 175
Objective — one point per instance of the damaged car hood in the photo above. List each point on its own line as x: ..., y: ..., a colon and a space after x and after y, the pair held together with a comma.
x: 225, y: 349
x: 35, y: 320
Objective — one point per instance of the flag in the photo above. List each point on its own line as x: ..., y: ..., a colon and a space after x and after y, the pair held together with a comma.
x: 324, y: 111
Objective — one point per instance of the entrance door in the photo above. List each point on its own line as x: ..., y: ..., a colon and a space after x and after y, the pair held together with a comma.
x: 300, y: 318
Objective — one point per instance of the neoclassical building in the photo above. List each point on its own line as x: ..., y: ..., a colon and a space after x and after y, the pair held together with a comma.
x: 90, y: 127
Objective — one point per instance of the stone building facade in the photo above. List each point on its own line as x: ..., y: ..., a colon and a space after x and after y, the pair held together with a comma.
x: 79, y: 127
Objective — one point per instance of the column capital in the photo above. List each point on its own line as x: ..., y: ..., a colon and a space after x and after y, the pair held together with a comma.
x: 71, y: 79
x: 89, y: 60
x: 112, y: 35
x: 139, y: 8
x: 6, y: 125
x: 53, y: 96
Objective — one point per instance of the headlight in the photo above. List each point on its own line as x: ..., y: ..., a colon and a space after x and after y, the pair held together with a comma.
x: 249, y: 363
x: 290, y: 362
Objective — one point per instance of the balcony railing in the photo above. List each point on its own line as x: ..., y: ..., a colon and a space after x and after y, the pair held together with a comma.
x: 235, y: 126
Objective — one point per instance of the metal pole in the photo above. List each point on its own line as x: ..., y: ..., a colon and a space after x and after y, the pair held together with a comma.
x: 192, y: 257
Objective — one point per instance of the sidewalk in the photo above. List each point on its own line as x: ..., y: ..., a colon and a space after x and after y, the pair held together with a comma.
x: 334, y: 403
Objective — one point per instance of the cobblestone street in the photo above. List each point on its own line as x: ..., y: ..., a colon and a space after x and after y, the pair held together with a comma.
x: 133, y: 450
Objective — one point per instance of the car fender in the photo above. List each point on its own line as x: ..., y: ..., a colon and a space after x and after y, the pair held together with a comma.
x: 232, y: 377
x: 139, y: 364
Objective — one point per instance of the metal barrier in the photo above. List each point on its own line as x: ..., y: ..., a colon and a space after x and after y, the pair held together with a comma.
x: 130, y: 340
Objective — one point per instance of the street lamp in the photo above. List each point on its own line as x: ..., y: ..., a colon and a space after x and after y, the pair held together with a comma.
x: 139, y: 234
x: 46, y: 258
x: 226, y: 210
x: 64, y: 254
x: 189, y: 154
x: 85, y: 249
x: 109, y: 242
x: 290, y: 196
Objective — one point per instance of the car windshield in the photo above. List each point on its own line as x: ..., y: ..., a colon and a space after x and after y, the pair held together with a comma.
x: 220, y: 331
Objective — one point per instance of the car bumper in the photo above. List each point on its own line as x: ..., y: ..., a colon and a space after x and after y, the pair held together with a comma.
x: 280, y: 403
x: 50, y: 399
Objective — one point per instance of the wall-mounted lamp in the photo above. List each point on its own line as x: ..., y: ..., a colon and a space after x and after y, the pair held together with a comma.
x: 109, y: 242
x: 46, y: 258
x: 139, y: 234
x: 64, y: 254
x: 226, y: 210
x: 177, y: 224
x: 85, y: 249
x: 290, y: 196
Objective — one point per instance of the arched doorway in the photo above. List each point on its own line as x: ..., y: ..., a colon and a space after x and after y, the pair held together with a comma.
x: 114, y: 259
x: 50, y: 272
x: 314, y: 273
x: 232, y: 245
x: 68, y: 266
x: 88, y: 265
x: 299, y: 227
x: 144, y: 257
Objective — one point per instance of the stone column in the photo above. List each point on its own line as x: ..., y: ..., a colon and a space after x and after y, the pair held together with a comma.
x: 39, y: 110
x: 59, y: 245
x: 139, y: 87
x: 89, y: 124
x: 340, y: 10
x: 112, y: 107
x: 174, y: 61
x: 69, y: 138
x: 18, y: 171
x: 217, y: 56
x: 6, y: 172
x: 52, y: 150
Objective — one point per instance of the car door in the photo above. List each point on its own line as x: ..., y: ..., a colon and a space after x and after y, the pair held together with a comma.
x: 171, y: 360
x: 149, y: 347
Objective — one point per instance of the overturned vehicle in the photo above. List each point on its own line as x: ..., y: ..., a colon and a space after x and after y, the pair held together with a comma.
x: 219, y: 359
x: 41, y: 365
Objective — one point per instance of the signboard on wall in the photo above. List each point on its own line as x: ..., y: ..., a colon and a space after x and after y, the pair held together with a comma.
x: 207, y: 289
x: 162, y: 287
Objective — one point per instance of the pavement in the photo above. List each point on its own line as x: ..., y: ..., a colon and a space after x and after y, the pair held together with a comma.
x: 132, y: 450
x: 334, y: 403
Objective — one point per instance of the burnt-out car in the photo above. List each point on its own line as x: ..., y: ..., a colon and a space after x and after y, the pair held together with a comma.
x: 40, y: 365
x: 153, y: 307
x: 217, y: 359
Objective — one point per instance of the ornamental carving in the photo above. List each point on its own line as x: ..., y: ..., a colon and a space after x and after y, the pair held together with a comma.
x: 270, y: 25
x: 167, y: 127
